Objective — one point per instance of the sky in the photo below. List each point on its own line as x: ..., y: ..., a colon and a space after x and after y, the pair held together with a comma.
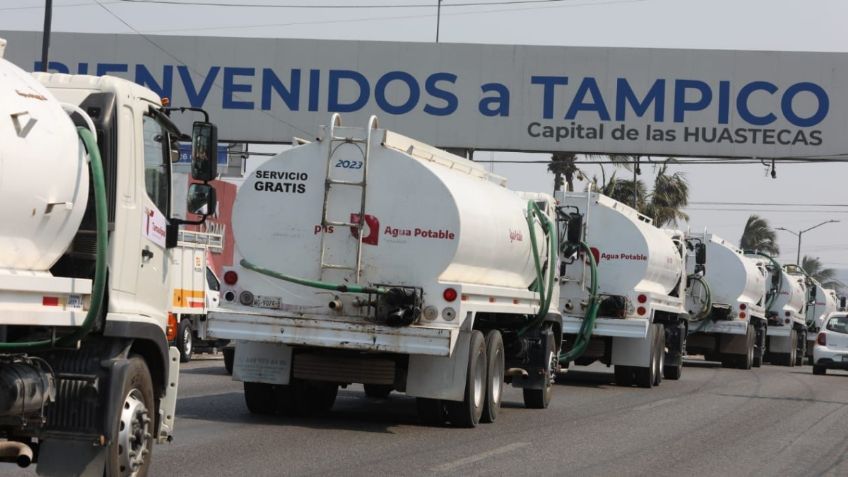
x: 715, y: 24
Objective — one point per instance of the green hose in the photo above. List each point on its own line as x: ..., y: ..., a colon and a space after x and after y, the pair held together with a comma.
x: 588, y: 325
x: 99, y: 286
x: 344, y: 288
x: 545, y: 295
x: 778, y: 267
x: 705, y: 312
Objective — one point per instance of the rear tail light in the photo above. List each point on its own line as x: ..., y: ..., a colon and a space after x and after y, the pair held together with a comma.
x: 741, y: 315
x: 641, y: 310
x: 230, y: 277
x: 449, y: 294
x: 642, y: 298
x: 743, y: 306
x: 171, y: 330
x: 821, y: 339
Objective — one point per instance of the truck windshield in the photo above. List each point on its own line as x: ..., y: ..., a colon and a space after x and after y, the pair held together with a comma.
x: 838, y: 324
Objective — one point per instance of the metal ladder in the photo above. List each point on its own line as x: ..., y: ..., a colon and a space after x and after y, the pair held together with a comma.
x: 325, y: 221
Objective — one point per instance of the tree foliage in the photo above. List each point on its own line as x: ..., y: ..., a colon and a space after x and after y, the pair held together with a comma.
x: 759, y: 236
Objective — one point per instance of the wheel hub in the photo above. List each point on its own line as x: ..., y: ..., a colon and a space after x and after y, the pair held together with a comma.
x: 134, y: 436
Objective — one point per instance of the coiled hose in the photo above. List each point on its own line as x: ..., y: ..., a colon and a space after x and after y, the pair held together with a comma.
x: 545, y: 294
x: 588, y: 324
x: 708, y: 305
x: 779, y: 270
x: 102, y: 241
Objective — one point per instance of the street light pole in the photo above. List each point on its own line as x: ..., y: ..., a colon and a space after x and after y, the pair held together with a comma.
x: 45, y: 36
x: 800, y: 233
x: 438, y: 17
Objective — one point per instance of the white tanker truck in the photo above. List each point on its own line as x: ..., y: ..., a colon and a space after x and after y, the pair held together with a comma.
x: 88, y: 380
x: 371, y: 258
x: 821, y: 303
x: 786, y: 302
x: 733, y: 328
x: 635, y: 320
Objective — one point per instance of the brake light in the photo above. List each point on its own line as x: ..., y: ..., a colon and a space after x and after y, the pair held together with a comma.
x: 741, y: 315
x: 821, y: 339
x: 449, y: 294
x: 230, y: 277
x: 171, y: 330
x: 743, y: 306
x: 642, y: 298
x: 641, y: 310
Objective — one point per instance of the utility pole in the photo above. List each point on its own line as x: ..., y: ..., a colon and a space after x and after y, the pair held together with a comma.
x: 800, y: 233
x: 438, y: 17
x: 45, y: 39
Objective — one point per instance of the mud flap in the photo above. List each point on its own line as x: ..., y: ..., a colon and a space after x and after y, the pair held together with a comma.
x: 168, y: 403
x: 440, y: 377
x: 262, y: 363
x: 70, y: 458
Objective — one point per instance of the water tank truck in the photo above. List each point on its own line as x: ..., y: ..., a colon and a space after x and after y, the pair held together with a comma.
x: 733, y: 328
x: 89, y: 382
x: 821, y: 303
x: 786, y: 301
x: 369, y: 257
x: 639, y: 322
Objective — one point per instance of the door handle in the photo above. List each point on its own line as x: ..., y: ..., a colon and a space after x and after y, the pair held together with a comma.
x: 146, y: 254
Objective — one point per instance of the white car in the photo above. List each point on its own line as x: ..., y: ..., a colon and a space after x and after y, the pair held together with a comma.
x: 831, y: 350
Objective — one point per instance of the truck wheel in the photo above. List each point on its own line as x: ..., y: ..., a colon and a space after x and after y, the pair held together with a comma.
x: 659, y: 353
x: 431, y: 412
x: 645, y: 375
x: 819, y: 370
x: 802, y: 348
x: 624, y: 375
x: 494, y: 375
x: 747, y: 361
x: 467, y: 413
x: 229, y: 356
x: 541, y: 398
x: 130, y: 452
x: 378, y: 391
x: 185, y: 341
x: 259, y: 398
x: 793, y: 338
x: 759, y: 347
x: 674, y: 371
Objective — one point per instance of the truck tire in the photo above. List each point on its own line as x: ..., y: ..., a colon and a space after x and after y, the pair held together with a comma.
x: 467, y: 413
x: 229, y: 357
x: 623, y: 375
x: 494, y: 375
x: 802, y: 348
x: 185, y: 340
x: 645, y: 376
x: 260, y: 398
x: 541, y: 398
x: 131, y: 451
x: 793, y: 338
x: 378, y: 391
x: 431, y: 412
x: 759, y: 347
x: 747, y: 361
x: 659, y: 352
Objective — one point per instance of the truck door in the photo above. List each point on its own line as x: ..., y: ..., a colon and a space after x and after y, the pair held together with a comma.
x: 153, y: 282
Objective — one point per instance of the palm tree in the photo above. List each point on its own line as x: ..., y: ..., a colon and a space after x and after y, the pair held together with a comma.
x: 563, y: 165
x: 669, y: 197
x: 622, y: 191
x: 758, y: 235
x: 815, y: 269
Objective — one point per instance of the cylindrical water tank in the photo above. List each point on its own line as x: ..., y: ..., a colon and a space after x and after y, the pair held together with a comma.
x: 733, y: 277
x: 792, y: 296
x: 632, y: 254
x: 428, y: 217
x: 43, y: 174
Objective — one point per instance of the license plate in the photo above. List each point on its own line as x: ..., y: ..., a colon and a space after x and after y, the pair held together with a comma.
x: 267, y: 302
x: 75, y: 301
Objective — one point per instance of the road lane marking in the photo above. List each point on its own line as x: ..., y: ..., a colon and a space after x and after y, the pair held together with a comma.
x: 478, y: 457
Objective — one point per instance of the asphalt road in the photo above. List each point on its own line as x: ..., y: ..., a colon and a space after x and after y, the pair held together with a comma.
x: 714, y: 421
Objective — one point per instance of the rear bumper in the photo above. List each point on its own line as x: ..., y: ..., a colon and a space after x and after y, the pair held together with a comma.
x: 619, y: 328
x: 324, y: 332
x: 830, y: 358
x: 724, y: 327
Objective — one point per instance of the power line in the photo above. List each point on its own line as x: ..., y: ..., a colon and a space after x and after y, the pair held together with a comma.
x: 41, y: 7
x: 796, y: 211
x: 770, y: 204
x: 344, y: 5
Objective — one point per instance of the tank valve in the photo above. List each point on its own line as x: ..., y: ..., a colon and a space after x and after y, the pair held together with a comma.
x: 336, y: 304
x: 569, y: 306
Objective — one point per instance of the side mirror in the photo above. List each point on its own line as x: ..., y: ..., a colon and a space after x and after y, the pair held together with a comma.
x: 575, y: 229
x: 701, y: 254
x: 201, y: 199
x: 204, y: 151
